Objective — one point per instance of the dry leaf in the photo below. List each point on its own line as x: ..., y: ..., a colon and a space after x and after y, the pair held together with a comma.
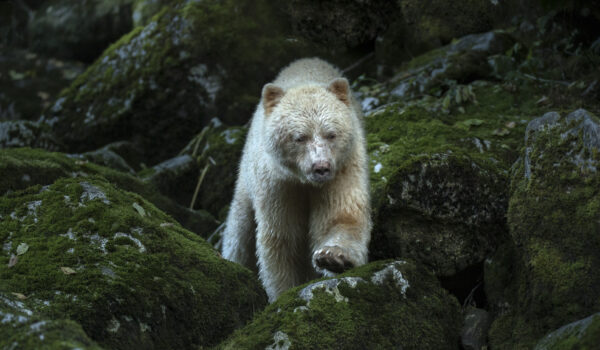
x: 22, y: 248
x: 67, y: 270
x: 43, y: 95
x: 139, y: 209
x: 20, y: 296
x: 13, y: 260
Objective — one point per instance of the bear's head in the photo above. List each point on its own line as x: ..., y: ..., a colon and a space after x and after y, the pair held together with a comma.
x: 310, y: 130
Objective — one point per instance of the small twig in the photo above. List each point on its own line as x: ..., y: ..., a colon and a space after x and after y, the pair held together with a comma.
x: 200, y: 179
x: 564, y: 83
x: 200, y: 137
x: 358, y: 63
x: 469, y: 298
x: 194, y: 141
x: 216, y: 232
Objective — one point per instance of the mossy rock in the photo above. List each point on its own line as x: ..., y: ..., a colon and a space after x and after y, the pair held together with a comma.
x: 462, y: 62
x: 439, y: 191
x: 583, y: 334
x: 382, y: 305
x: 24, y: 133
x: 125, y: 271
x: 29, y: 82
x: 427, y: 25
x: 24, y: 167
x: 121, y: 155
x: 78, y: 30
x: 553, y: 219
x: 158, y: 85
x: 24, y: 329
x: 144, y: 10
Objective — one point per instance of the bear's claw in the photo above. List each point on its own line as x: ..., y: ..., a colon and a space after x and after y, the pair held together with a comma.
x: 332, y: 259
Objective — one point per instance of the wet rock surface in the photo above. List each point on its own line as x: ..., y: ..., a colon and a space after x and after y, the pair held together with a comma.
x: 146, y: 277
x: 411, y: 312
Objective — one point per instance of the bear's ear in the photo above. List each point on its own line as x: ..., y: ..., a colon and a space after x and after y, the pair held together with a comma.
x: 271, y: 95
x: 341, y: 89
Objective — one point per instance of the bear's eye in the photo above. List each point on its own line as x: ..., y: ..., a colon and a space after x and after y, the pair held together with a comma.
x: 331, y: 136
x: 301, y: 138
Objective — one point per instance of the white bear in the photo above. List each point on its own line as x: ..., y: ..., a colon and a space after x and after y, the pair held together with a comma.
x: 301, y: 203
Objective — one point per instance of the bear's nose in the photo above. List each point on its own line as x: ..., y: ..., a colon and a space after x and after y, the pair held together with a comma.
x: 321, y: 168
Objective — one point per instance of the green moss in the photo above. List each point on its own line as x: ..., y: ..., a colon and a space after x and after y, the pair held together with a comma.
x: 26, y: 167
x: 23, y: 329
x: 552, y: 216
x: 184, y: 64
x: 140, y: 279
x: 365, y: 315
x: 436, y: 184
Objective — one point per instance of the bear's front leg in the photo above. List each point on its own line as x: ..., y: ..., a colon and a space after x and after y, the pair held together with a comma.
x: 340, y: 227
x: 282, y: 244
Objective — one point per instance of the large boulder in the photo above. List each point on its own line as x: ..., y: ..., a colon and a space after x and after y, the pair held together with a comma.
x: 441, y: 143
x: 382, y: 305
x: 161, y: 83
x: 78, y: 30
x: 438, y: 191
x: 82, y: 250
x: 553, y: 219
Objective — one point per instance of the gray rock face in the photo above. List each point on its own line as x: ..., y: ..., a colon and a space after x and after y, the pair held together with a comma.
x: 582, y: 123
x: 474, y: 332
x: 22, y: 133
x: 582, y: 334
x: 463, y: 61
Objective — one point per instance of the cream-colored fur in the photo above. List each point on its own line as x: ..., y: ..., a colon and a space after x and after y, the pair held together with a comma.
x: 301, y: 202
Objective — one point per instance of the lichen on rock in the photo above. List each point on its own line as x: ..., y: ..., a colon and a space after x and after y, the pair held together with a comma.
x: 164, y: 81
x: 553, y: 219
x: 364, y: 308
x: 129, y: 275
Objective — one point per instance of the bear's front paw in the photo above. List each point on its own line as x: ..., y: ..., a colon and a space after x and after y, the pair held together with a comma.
x: 332, y: 258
